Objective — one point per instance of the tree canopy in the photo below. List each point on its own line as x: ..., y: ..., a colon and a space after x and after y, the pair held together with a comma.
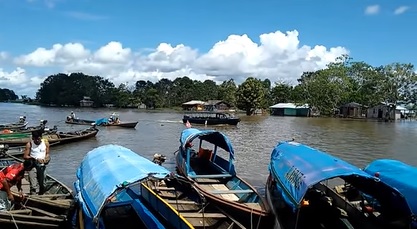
x: 341, y: 82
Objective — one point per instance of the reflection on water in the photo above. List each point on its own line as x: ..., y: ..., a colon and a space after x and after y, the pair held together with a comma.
x: 253, y: 139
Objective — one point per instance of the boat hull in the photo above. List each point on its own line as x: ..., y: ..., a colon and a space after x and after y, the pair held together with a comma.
x: 90, y: 122
x: 53, y: 139
x: 53, y: 209
x: 247, y: 216
x: 201, y: 121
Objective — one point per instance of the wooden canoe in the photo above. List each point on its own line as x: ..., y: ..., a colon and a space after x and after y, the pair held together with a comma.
x: 13, y: 126
x: 51, y: 210
x: 53, y: 138
x: 91, y: 122
x: 175, y: 196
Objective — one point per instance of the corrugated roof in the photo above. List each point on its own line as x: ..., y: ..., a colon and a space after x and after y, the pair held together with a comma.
x: 288, y: 105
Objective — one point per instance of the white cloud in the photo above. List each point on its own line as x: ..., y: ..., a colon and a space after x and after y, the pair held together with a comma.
x: 278, y: 56
x: 19, y: 81
x: 372, y: 10
x: 401, y: 10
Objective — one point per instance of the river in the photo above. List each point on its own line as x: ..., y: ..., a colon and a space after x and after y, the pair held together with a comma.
x: 358, y: 142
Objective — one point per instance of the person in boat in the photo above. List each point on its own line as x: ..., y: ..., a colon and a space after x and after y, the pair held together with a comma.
x: 10, y: 176
x: 71, y: 116
x: 38, y: 151
x: 22, y: 119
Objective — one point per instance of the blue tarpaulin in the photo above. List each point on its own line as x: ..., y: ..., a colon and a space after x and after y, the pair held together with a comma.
x: 107, y: 168
x: 101, y: 121
x: 212, y: 136
x: 296, y: 167
x: 399, y: 175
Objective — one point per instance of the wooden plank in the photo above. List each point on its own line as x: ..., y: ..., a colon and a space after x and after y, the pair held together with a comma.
x: 163, y: 188
x: 218, y: 192
x: 201, y: 215
x: 24, y: 211
x: 43, y: 212
x: 181, y: 202
x: 21, y: 223
x: 211, y: 176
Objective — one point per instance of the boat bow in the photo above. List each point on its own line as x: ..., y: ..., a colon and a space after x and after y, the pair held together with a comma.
x: 107, y: 169
x: 296, y: 167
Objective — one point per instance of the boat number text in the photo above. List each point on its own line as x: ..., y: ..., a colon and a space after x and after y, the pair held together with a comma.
x: 294, y: 176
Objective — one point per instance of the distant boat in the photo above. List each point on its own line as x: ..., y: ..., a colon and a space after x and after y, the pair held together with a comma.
x: 53, y: 209
x: 25, y: 129
x: 303, y: 190
x: 400, y: 176
x: 210, y: 118
x: 109, y: 192
x: 215, y: 177
x: 13, y: 140
x: 101, y: 122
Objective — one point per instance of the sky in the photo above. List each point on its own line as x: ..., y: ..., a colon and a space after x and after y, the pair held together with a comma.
x: 126, y: 41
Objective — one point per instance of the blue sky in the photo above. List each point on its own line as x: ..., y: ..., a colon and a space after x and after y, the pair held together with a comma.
x: 377, y: 32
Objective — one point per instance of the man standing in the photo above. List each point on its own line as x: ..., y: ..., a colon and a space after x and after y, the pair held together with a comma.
x: 9, y: 176
x: 38, y: 151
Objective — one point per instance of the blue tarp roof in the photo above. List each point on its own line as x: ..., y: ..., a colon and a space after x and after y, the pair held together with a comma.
x: 297, y: 167
x: 212, y: 136
x: 106, y: 168
x: 399, y: 175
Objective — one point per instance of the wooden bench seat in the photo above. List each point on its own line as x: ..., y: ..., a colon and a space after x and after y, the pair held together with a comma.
x: 238, y: 191
x: 201, y: 215
x: 211, y: 176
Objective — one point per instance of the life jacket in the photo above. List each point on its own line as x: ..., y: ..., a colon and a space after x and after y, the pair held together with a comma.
x: 10, y: 173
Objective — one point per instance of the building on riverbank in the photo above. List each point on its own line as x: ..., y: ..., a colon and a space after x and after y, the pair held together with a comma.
x: 352, y: 110
x: 387, y: 111
x: 86, y: 102
x: 290, y: 109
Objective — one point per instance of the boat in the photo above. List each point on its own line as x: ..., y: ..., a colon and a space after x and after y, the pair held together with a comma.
x: 14, y: 126
x: 400, y: 176
x: 210, y: 118
x: 215, y: 177
x: 174, y: 196
x: 77, y: 121
x: 107, y: 191
x: 101, y: 122
x: 309, y: 188
x: 29, y: 129
x: 58, y: 138
x: 53, y: 209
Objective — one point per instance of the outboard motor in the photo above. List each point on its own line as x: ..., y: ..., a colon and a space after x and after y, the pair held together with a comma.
x: 159, y: 159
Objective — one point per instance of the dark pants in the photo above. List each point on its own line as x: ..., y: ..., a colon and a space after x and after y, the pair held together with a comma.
x: 37, y: 177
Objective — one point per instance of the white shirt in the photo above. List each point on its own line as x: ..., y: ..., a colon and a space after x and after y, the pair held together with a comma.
x: 38, y: 151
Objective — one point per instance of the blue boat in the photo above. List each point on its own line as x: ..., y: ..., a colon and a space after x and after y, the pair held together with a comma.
x: 211, y: 169
x: 400, y: 176
x: 107, y: 191
x: 309, y: 188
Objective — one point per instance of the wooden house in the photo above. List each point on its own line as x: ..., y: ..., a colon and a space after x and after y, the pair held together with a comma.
x: 86, y: 102
x: 386, y: 111
x: 194, y: 105
x: 220, y: 105
x: 351, y: 110
x: 290, y: 109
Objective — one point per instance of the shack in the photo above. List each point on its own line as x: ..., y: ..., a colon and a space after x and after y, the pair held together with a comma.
x: 351, y: 110
x: 220, y: 105
x: 290, y: 109
x: 387, y: 111
x: 194, y: 105
x: 86, y: 102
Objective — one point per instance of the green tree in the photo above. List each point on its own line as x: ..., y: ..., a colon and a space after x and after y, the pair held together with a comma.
x: 227, y: 92
x: 250, y: 95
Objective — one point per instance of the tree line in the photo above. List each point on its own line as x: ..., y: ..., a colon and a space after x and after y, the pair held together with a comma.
x: 341, y: 82
x: 7, y: 95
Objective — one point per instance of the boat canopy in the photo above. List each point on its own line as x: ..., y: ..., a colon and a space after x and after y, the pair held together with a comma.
x: 214, y: 137
x: 297, y: 167
x: 108, y: 168
x: 398, y: 175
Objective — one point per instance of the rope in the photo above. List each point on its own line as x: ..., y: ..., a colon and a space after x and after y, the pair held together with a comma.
x: 14, y: 221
